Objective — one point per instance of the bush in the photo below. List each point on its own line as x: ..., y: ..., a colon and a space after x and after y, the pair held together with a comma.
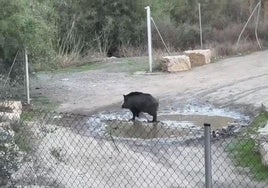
x: 230, y: 49
x: 168, y: 32
x: 189, y: 36
x: 244, y: 150
x: 27, y: 24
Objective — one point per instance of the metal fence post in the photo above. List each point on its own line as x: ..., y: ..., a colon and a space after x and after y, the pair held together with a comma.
x: 27, y: 76
x: 208, y: 168
x: 149, y: 33
x: 200, y: 25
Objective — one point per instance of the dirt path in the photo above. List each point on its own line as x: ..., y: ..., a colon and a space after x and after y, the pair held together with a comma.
x: 237, y: 81
x: 233, y: 81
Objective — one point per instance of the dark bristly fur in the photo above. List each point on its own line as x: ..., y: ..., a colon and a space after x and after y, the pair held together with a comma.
x: 141, y: 102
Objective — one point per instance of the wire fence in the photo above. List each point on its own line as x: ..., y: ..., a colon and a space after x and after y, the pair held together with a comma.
x: 45, y: 149
x: 226, y: 27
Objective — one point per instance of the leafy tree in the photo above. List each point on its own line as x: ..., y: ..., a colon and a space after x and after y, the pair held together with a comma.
x: 216, y: 16
x: 214, y: 12
x: 103, y: 24
x: 184, y: 11
x: 26, y: 24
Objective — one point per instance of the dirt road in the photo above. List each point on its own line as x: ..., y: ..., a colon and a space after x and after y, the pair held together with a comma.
x: 86, y: 160
x: 230, y: 82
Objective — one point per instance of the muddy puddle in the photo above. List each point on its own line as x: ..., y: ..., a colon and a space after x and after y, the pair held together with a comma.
x: 184, y: 123
x: 216, y: 122
x: 144, y: 130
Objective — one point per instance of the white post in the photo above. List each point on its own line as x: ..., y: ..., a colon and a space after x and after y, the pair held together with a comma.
x: 149, y: 37
x: 27, y: 76
x: 200, y: 25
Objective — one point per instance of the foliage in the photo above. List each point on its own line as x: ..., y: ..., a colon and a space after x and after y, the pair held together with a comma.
x: 216, y: 13
x: 244, y: 150
x: 102, y: 24
x: 58, y: 33
x: 26, y: 24
x: 22, y: 137
x: 247, y: 157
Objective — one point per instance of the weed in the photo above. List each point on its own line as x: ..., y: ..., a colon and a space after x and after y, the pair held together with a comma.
x: 22, y: 138
x: 244, y: 151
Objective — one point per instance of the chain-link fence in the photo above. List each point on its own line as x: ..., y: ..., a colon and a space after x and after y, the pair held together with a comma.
x: 12, y: 81
x: 46, y: 149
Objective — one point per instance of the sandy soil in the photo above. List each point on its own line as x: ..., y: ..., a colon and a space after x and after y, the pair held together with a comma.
x: 233, y: 81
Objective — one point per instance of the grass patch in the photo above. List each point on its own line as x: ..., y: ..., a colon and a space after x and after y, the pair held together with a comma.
x: 39, y: 106
x: 44, y: 103
x: 80, y: 68
x: 128, y: 65
x: 259, y: 122
x: 244, y: 150
x: 22, y: 138
x: 84, y: 67
x: 27, y: 115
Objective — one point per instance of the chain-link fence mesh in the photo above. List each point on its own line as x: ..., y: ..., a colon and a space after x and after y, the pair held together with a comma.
x: 47, y: 149
x: 12, y: 81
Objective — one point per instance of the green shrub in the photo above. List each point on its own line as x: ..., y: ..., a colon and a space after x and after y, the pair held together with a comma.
x: 244, y: 150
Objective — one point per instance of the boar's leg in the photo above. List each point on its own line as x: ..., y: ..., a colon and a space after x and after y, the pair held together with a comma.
x: 135, y: 113
x: 154, y: 117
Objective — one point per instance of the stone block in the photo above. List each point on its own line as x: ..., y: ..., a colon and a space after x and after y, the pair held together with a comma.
x: 12, y: 117
x: 263, y: 144
x: 175, y: 63
x: 12, y: 105
x: 199, y: 57
x: 10, y: 111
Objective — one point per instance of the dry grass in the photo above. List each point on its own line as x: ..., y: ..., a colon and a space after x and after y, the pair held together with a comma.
x: 131, y: 51
x: 66, y: 60
x: 230, y: 49
x: 222, y: 42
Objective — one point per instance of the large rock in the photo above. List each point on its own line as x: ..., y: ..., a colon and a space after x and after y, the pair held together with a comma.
x: 10, y: 111
x: 14, y: 106
x: 175, y: 63
x: 263, y: 144
x: 199, y: 57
